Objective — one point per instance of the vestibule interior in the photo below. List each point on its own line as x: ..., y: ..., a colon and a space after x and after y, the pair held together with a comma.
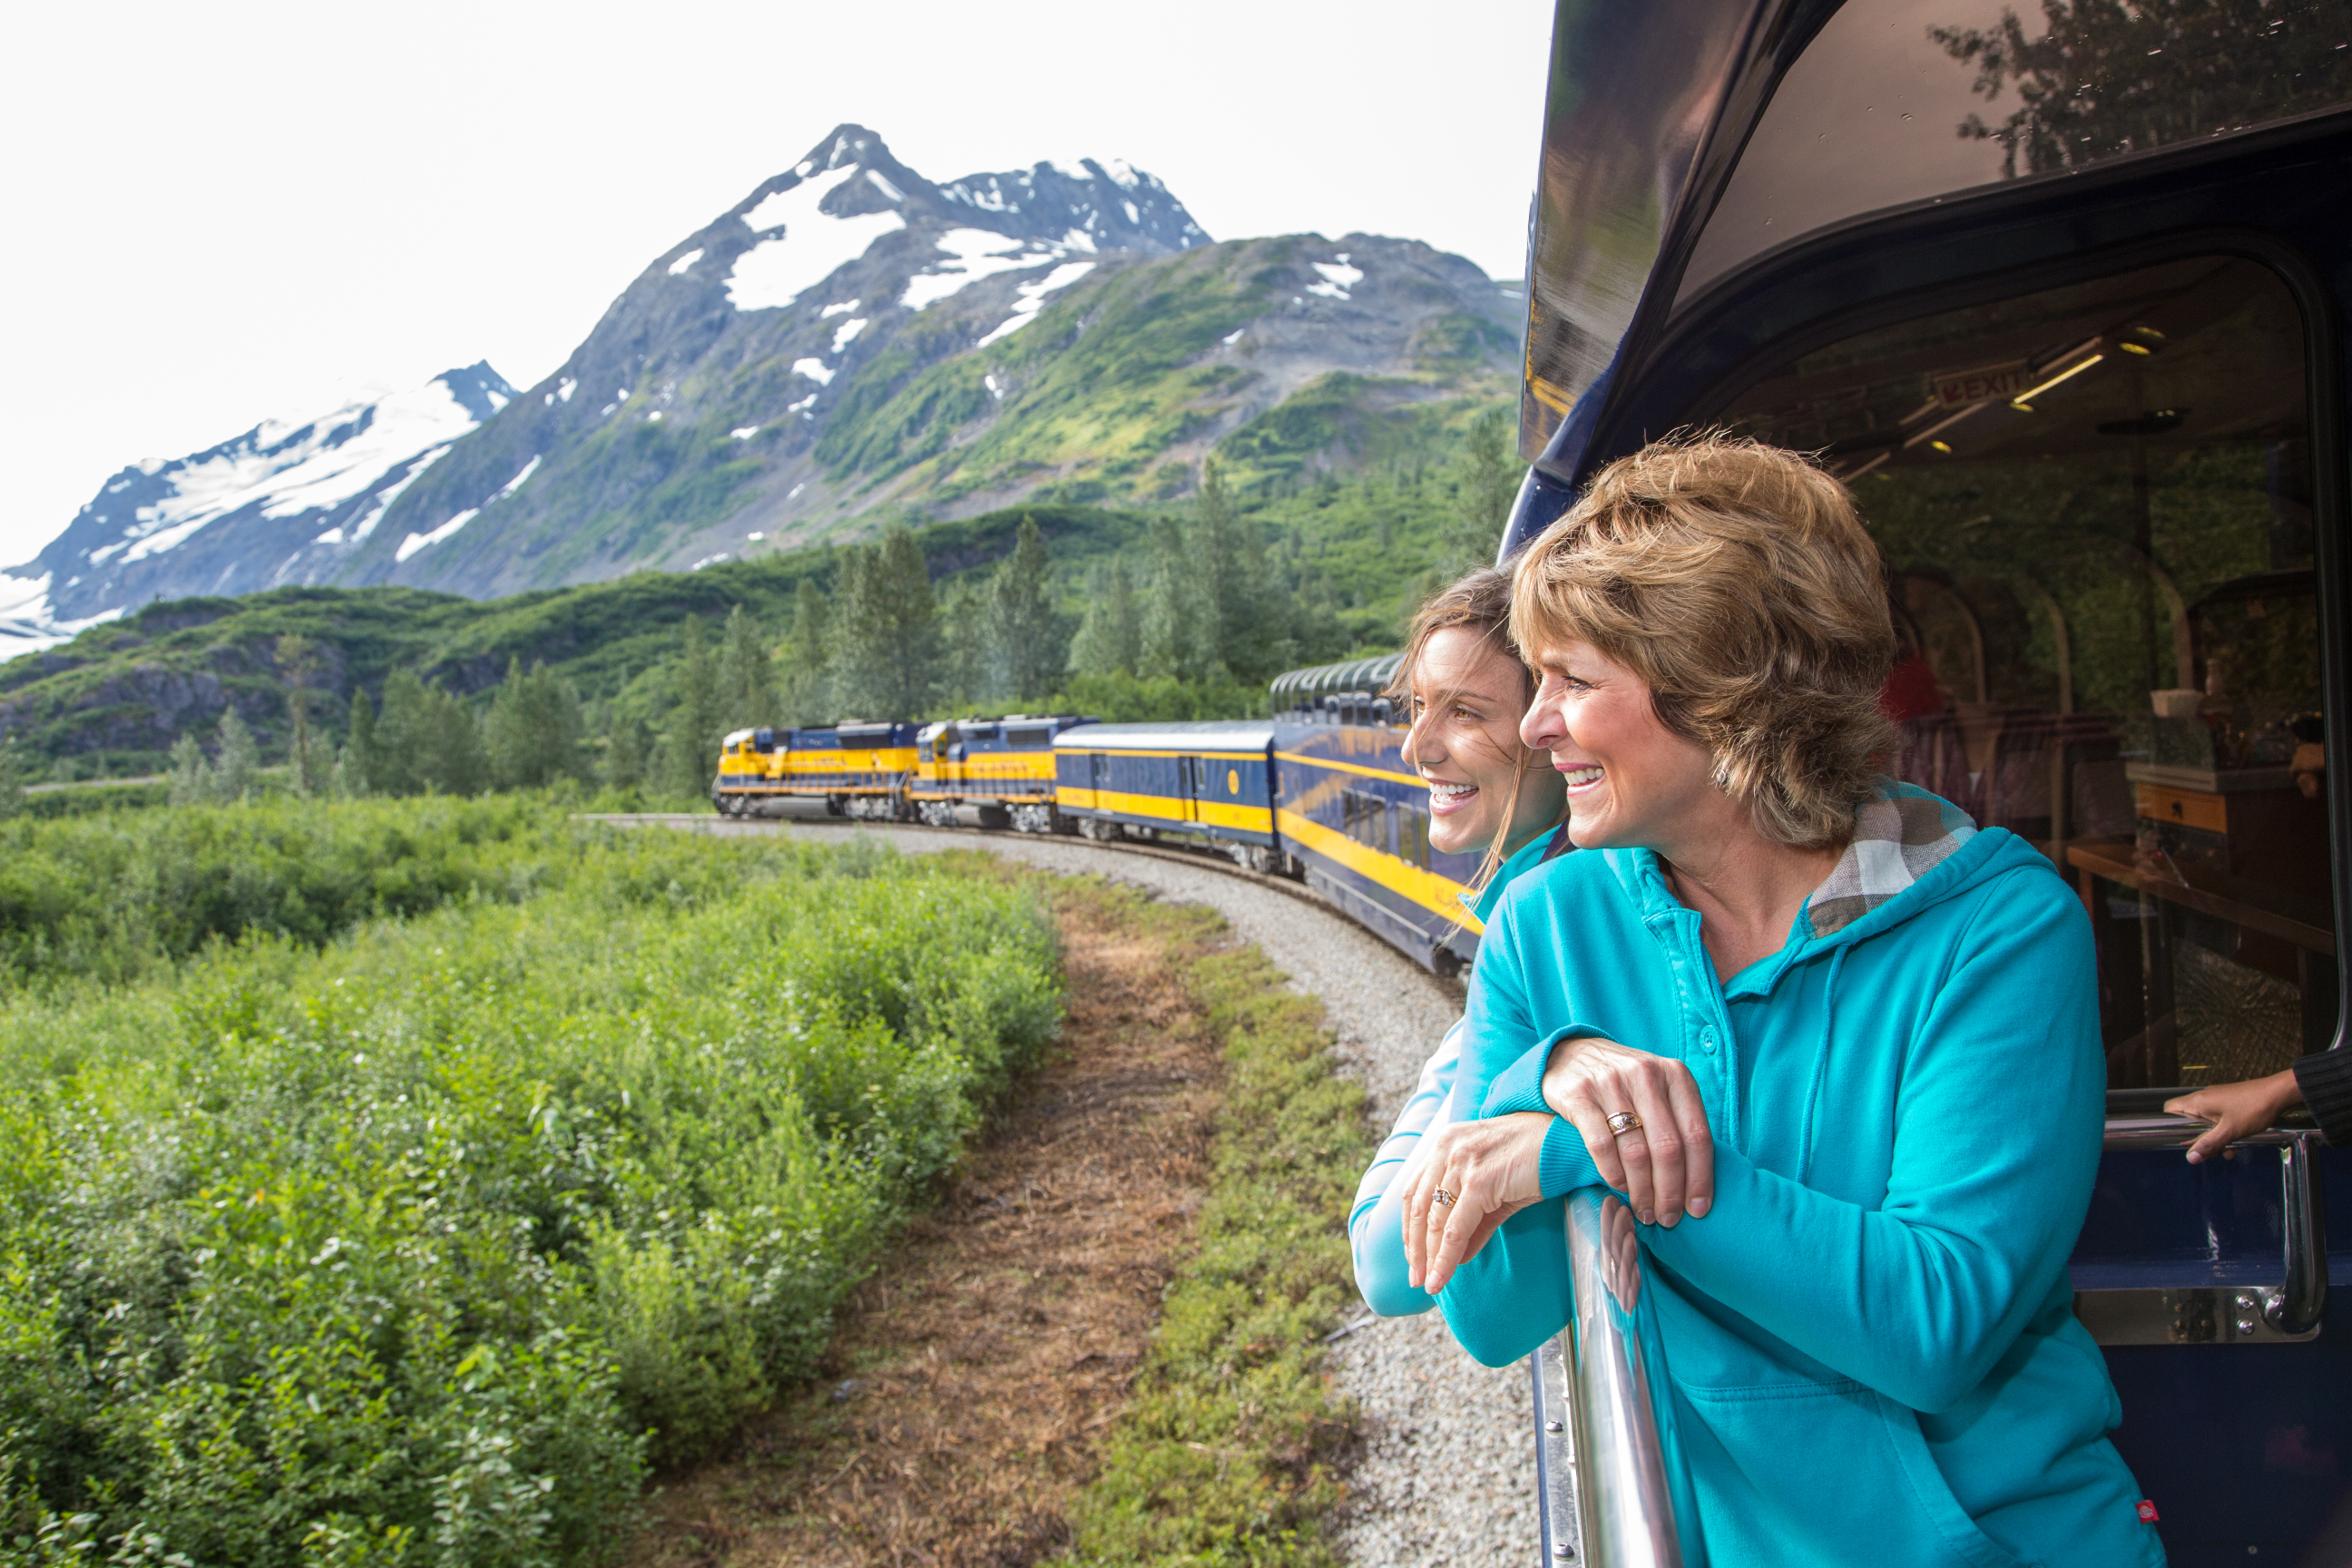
x: 2095, y: 503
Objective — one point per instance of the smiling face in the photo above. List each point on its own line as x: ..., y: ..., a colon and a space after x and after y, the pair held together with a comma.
x: 1630, y: 781
x: 1467, y: 696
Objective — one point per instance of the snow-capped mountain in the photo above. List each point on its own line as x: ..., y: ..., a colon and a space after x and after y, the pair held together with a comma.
x: 849, y: 338
x: 710, y: 382
x: 286, y: 501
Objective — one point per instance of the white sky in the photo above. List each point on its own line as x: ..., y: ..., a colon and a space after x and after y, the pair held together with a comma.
x: 227, y: 211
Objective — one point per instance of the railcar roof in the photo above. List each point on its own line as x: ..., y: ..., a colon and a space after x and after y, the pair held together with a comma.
x: 1210, y: 734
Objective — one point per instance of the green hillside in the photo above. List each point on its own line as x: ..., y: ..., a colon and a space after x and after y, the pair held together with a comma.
x: 111, y: 702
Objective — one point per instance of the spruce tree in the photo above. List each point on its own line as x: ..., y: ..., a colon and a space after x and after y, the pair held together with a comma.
x: 629, y: 753
x: 239, y: 763
x: 359, y: 755
x: 394, y: 760
x: 690, y: 745
x: 1025, y: 633
x: 1172, y: 608
x: 297, y: 662
x: 454, y: 760
x: 1110, y: 637
x: 887, y: 632
x: 805, y: 693
x: 1485, y: 485
x: 747, y: 675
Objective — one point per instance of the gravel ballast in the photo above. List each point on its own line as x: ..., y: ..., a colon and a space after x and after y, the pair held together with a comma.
x: 1448, y: 1471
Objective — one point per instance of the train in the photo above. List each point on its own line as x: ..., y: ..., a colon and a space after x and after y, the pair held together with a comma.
x: 2062, y: 301
x: 1320, y: 793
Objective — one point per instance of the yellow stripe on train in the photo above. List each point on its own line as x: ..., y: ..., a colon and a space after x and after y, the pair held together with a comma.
x: 1168, y: 808
x: 1441, y: 895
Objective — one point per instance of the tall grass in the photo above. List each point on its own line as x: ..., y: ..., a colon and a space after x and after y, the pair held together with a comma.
x: 422, y: 1243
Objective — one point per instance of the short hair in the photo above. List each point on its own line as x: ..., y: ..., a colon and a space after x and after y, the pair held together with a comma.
x: 1737, y: 581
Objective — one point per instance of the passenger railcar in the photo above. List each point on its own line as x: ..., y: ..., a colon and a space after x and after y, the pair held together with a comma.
x: 1003, y: 767
x: 1323, y: 796
x: 2064, y: 301
x: 857, y: 769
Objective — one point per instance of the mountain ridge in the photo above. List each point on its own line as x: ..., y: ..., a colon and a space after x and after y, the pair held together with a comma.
x: 847, y: 343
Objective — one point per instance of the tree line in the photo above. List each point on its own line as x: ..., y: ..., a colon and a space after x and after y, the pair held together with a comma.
x: 1192, y: 624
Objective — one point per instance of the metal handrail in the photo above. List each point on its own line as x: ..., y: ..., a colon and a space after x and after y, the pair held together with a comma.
x: 1615, y: 1485
x: 2300, y: 1300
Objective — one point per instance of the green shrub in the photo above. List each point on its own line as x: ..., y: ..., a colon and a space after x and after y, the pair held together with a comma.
x: 420, y: 1246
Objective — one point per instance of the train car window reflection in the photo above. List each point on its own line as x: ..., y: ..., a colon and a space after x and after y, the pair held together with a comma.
x: 2096, y: 507
x: 1901, y: 100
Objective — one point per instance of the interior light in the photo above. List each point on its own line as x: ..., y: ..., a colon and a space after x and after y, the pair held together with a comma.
x: 2150, y: 333
x: 2136, y: 348
x: 2022, y: 402
x: 1943, y: 447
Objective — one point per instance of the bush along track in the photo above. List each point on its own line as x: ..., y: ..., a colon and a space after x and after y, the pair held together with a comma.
x: 1234, y: 1448
x: 421, y: 1247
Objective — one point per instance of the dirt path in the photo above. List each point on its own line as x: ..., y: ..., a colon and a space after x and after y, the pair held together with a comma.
x: 971, y: 1379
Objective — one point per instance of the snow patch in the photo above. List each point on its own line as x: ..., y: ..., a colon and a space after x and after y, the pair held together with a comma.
x: 333, y: 536
x: 1079, y: 239
x: 842, y: 309
x: 286, y: 469
x: 972, y: 254
x: 745, y: 432
x: 417, y: 541
x: 1122, y: 173
x: 847, y: 333
x: 684, y: 263
x: 989, y: 381
x: 498, y: 399
x: 564, y: 390
x: 1230, y: 339
x: 755, y: 538
x: 811, y: 248
x: 814, y: 369
x: 796, y: 489
x: 1133, y: 216
x: 1033, y: 299
x: 654, y: 417
x: 887, y: 189
x: 803, y: 404
x: 708, y: 561
x: 1074, y: 171
x: 390, y: 493
x: 1338, y: 277
x: 516, y: 483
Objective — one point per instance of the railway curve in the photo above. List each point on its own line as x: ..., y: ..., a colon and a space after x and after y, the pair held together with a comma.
x: 1448, y: 1471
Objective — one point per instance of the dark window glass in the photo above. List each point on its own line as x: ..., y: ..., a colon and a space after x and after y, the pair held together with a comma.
x: 1901, y: 100
x: 2095, y: 504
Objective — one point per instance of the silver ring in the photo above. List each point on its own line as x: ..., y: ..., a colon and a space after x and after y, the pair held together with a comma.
x: 1623, y: 1122
x: 1443, y: 1198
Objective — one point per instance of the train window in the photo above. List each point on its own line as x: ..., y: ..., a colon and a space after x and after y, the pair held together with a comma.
x: 1902, y: 101
x: 2096, y: 505
x: 1413, y: 836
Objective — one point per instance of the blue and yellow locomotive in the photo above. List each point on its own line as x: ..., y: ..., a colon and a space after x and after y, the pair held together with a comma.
x: 858, y: 769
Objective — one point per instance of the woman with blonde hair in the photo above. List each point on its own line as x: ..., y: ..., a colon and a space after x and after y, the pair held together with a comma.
x: 1835, y: 1047
x: 1463, y: 683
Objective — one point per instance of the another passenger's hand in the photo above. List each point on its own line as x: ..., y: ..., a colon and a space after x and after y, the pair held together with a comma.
x: 2235, y: 1109
x: 1488, y: 1172
x: 1666, y: 1165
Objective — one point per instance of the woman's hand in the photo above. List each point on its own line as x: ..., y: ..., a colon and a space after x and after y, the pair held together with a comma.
x: 2235, y: 1109
x: 1665, y: 1162
x: 1488, y: 1171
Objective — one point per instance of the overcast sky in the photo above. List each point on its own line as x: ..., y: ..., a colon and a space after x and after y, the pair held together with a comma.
x: 229, y: 211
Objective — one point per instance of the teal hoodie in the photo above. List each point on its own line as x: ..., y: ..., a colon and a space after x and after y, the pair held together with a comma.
x: 1871, y: 1337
